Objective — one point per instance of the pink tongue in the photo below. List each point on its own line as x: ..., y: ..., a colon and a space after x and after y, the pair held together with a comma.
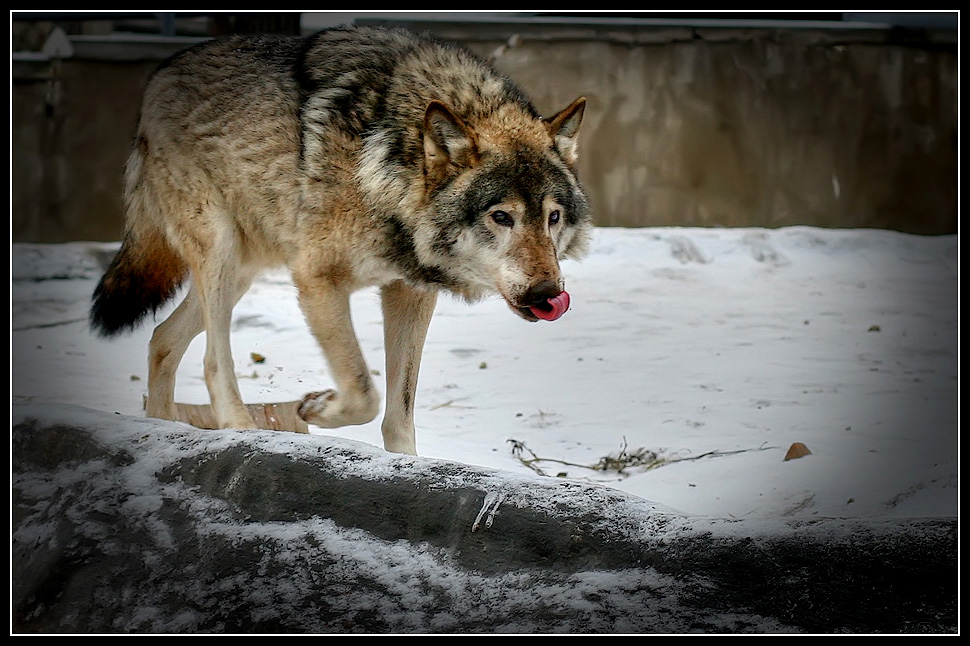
x: 558, y: 304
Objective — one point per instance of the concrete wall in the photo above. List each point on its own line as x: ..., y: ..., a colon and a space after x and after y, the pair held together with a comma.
x: 752, y: 127
x: 685, y: 126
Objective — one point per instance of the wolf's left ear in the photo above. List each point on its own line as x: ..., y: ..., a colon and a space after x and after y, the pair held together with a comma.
x: 564, y: 128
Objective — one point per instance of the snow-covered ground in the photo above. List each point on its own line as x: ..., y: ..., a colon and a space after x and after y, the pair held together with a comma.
x: 694, y: 357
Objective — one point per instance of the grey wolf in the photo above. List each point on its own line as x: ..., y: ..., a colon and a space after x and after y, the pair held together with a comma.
x: 355, y: 157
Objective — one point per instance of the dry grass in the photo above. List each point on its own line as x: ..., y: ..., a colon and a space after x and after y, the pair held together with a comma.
x: 621, y: 463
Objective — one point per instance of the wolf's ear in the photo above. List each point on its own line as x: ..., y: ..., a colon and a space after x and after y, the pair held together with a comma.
x: 564, y: 128
x: 447, y: 140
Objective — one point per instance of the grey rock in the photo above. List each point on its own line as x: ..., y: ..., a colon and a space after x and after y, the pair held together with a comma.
x: 129, y: 525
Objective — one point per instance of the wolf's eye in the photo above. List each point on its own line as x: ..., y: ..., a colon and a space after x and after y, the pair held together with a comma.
x: 502, y: 218
x: 553, y: 218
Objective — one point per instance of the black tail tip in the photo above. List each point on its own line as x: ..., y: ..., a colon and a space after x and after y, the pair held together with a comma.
x: 114, y: 313
x: 105, y: 322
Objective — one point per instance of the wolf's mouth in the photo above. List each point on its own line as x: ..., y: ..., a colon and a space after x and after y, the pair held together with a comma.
x: 550, y: 310
x: 553, y: 308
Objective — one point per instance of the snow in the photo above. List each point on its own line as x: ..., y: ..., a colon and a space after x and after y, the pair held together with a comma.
x: 710, y: 351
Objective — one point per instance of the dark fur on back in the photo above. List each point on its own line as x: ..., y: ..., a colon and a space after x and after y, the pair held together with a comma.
x: 365, y: 86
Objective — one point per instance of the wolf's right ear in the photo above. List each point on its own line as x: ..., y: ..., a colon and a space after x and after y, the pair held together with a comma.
x: 447, y: 141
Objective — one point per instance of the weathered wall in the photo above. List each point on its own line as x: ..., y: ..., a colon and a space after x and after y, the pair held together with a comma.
x: 754, y: 127
x: 70, y: 138
x: 726, y: 134
x: 687, y: 127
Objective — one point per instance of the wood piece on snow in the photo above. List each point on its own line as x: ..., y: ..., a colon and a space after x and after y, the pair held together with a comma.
x: 279, y: 416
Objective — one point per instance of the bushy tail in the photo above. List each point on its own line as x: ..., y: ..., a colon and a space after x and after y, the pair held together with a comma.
x: 144, y: 274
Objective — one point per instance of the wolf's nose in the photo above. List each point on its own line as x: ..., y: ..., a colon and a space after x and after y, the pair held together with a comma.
x: 539, y: 294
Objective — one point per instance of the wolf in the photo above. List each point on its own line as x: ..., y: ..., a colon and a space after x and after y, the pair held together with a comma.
x: 355, y: 157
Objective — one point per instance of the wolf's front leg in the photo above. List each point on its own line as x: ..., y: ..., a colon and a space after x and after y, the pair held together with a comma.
x: 407, y: 314
x: 326, y: 306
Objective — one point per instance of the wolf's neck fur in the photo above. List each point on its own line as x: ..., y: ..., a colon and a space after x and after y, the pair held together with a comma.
x: 385, y: 103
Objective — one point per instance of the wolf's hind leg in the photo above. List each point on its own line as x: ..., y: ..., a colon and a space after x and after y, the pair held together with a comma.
x: 355, y: 400
x: 407, y: 314
x: 165, y: 351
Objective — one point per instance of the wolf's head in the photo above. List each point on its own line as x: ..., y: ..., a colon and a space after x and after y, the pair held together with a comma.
x: 501, y: 204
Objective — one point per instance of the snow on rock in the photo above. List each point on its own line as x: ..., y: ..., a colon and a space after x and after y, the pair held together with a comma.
x: 130, y: 525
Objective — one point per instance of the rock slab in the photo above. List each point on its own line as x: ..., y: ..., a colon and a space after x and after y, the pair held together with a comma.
x: 130, y: 525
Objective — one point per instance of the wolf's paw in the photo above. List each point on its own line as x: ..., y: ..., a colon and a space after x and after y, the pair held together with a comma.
x: 314, y: 405
x: 329, y: 409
